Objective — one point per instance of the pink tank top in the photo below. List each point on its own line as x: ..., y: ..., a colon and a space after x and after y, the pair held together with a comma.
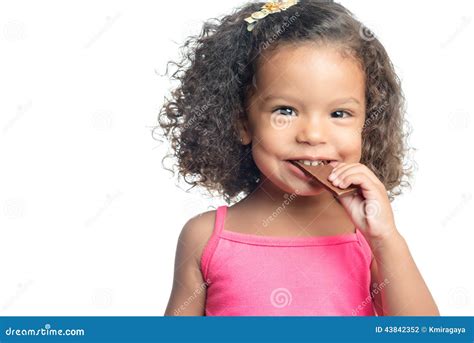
x: 251, y: 275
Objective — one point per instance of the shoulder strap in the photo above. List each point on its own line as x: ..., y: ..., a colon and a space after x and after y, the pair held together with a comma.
x: 211, y: 245
x: 220, y: 217
x: 365, y: 246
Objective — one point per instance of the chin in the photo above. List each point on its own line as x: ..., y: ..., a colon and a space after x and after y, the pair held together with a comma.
x: 310, y: 192
x: 306, y: 189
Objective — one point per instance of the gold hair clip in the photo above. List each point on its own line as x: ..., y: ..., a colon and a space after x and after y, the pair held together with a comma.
x: 268, y: 8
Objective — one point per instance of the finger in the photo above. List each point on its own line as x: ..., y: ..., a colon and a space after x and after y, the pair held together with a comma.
x: 368, y: 188
x: 341, y: 167
x: 355, y: 168
x: 336, y: 164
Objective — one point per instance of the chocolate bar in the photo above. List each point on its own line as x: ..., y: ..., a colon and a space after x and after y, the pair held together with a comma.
x: 321, y: 173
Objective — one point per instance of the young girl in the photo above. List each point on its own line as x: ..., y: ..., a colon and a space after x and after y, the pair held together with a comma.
x: 269, y: 84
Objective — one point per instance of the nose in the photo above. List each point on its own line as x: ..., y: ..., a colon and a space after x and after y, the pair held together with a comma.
x: 313, y: 130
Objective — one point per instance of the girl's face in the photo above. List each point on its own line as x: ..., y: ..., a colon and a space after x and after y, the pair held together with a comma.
x: 309, y: 104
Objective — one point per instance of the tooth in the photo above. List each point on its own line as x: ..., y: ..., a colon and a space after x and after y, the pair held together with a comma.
x: 311, y: 163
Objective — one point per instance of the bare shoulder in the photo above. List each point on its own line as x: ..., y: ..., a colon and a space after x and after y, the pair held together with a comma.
x: 196, y: 233
x: 188, y: 293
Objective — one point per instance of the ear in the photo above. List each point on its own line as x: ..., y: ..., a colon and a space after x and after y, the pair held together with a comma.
x: 244, y: 130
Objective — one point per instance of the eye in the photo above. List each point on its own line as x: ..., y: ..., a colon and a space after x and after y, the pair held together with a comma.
x: 340, y: 113
x: 284, y: 110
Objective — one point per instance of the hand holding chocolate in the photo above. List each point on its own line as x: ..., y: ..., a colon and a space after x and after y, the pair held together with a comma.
x: 321, y: 173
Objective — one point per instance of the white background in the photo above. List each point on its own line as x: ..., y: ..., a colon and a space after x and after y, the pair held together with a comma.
x: 89, y: 219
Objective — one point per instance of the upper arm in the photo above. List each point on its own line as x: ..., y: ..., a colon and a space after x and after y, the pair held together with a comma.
x: 188, y: 294
x: 375, y: 291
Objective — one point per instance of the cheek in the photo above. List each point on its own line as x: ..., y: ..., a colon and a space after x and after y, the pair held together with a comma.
x: 265, y: 162
x: 268, y: 140
x: 264, y: 151
x: 350, y: 147
x: 268, y: 151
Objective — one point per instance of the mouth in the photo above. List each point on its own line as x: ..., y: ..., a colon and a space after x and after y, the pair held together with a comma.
x: 299, y: 169
x: 311, y: 162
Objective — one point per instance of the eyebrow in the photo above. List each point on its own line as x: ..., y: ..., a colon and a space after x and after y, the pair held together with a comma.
x: 346, y: 100
x: 273, y: 97
x: 337, y: 101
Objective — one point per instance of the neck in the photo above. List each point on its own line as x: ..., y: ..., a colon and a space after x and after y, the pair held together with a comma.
x: 268, y: 198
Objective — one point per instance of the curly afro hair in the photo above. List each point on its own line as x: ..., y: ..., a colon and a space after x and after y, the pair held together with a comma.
x: 215, y: 77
